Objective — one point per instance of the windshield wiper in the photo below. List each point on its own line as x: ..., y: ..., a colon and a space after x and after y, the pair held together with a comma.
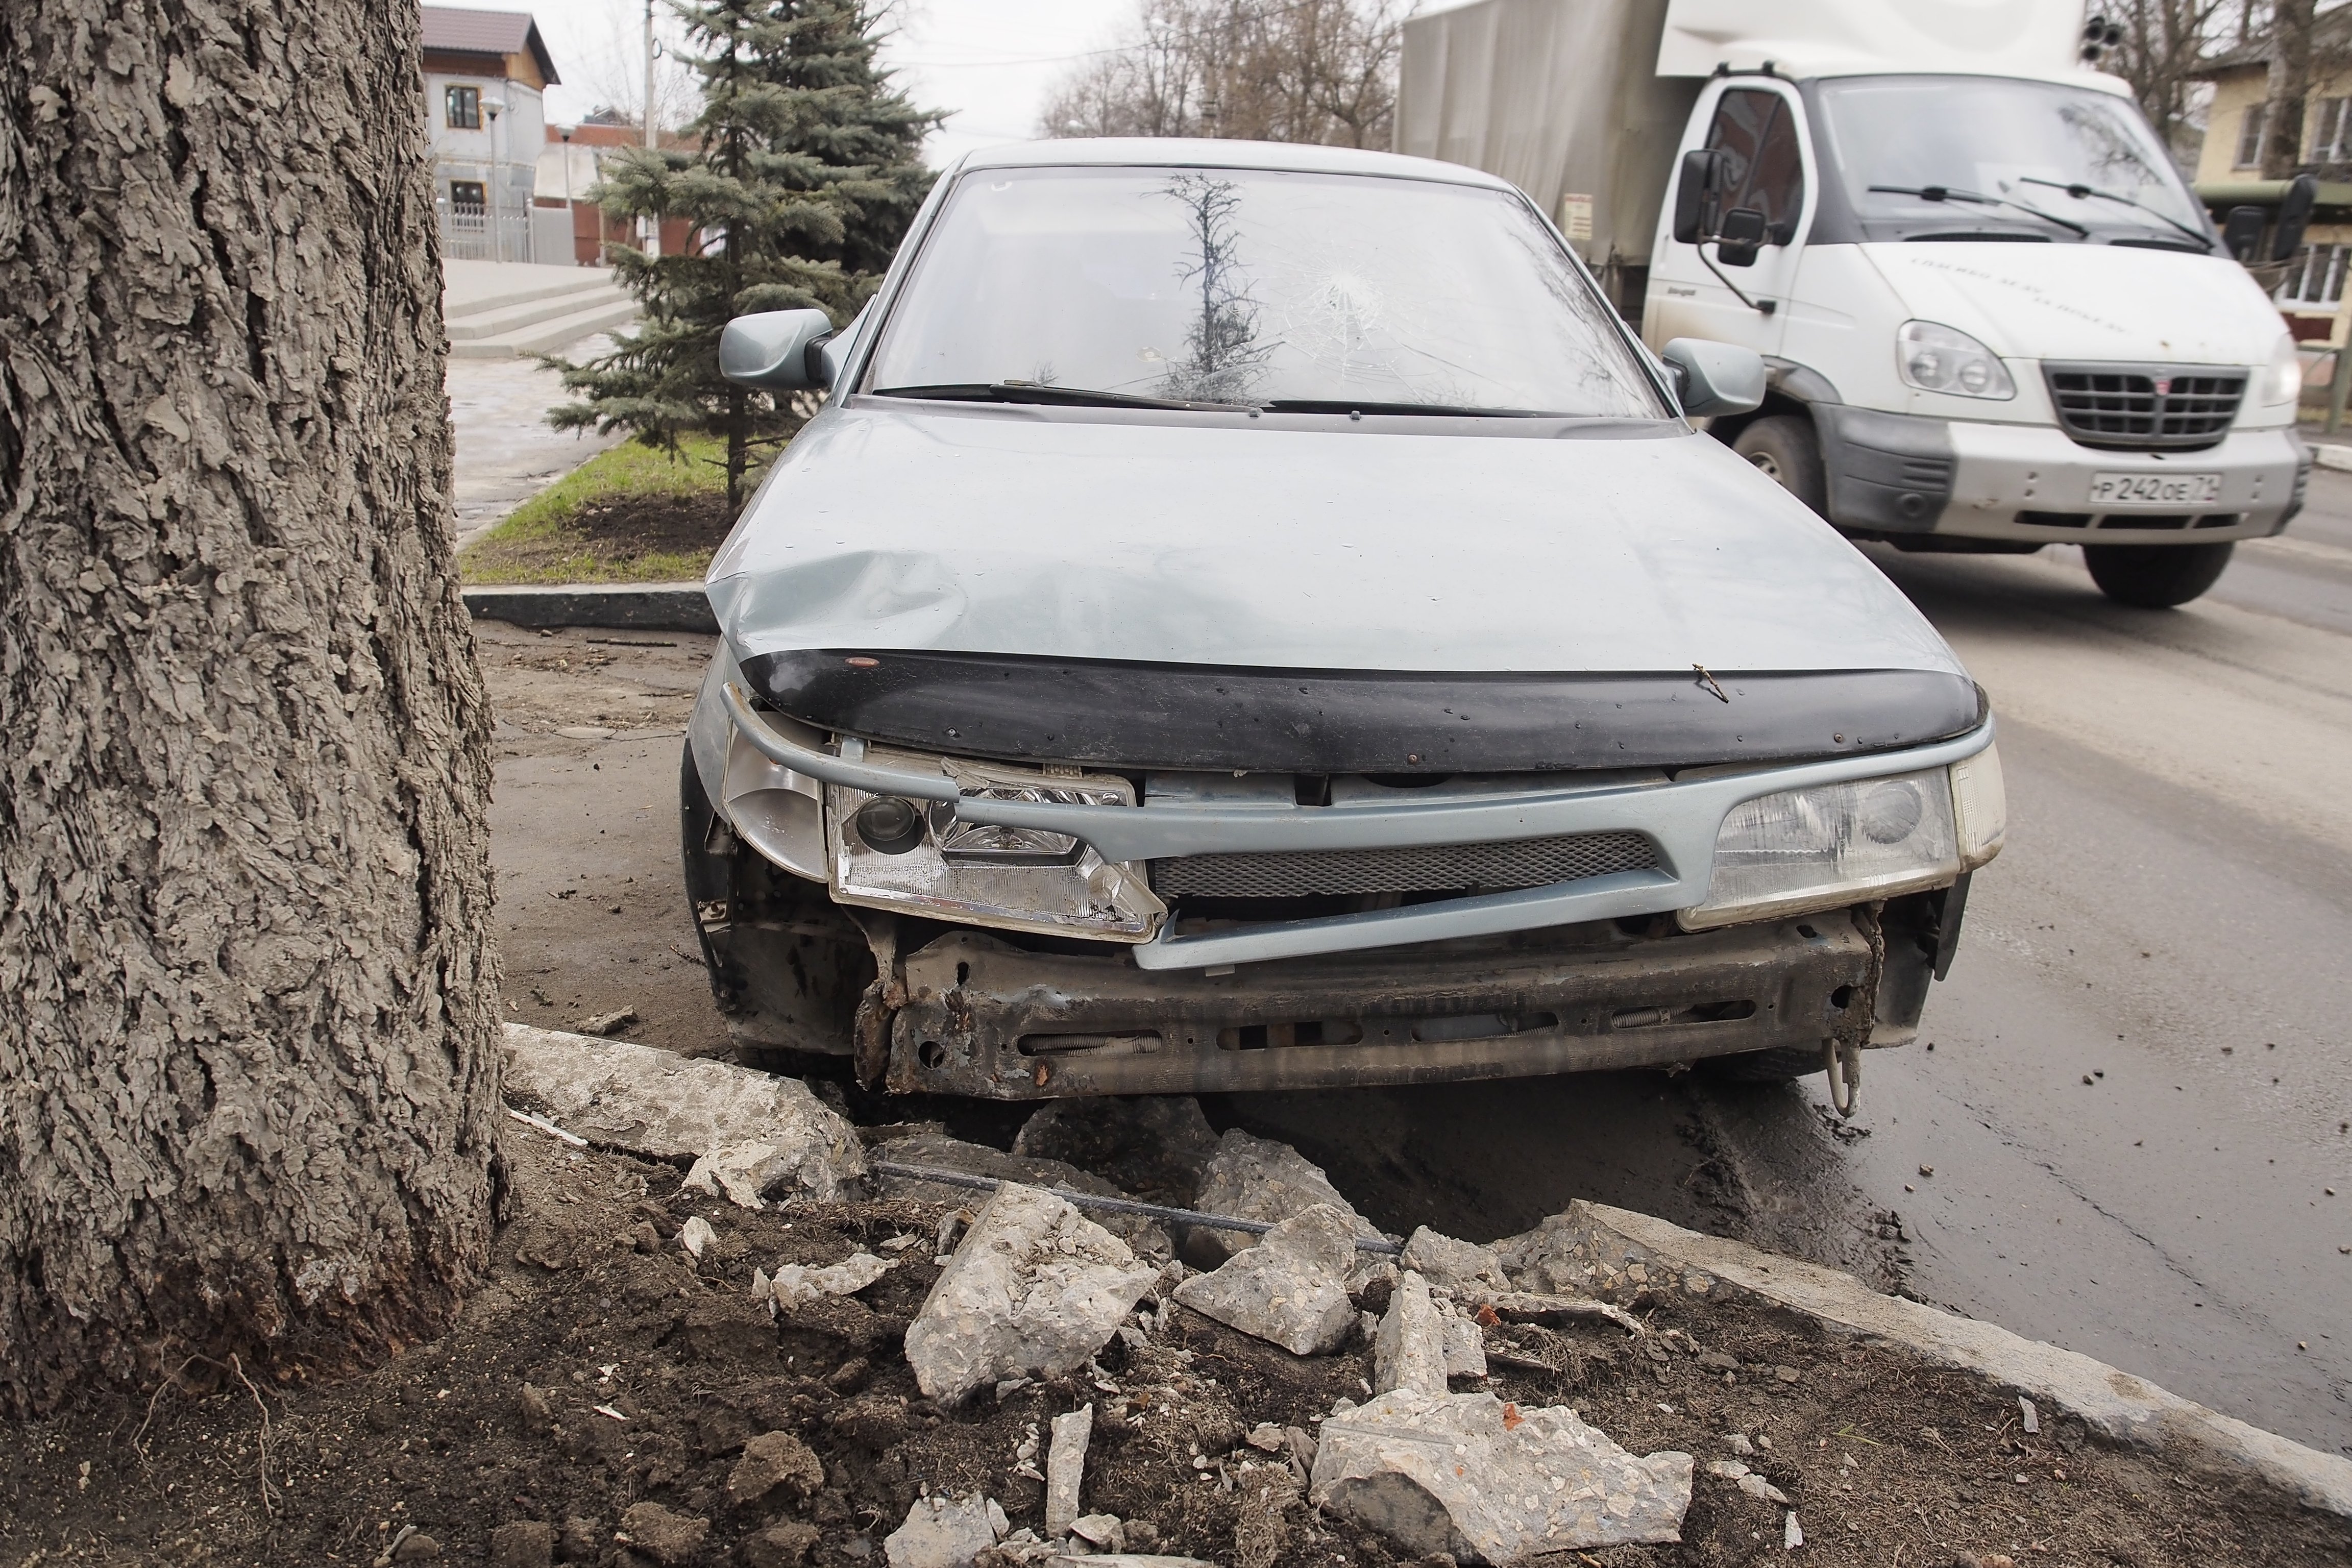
x: 1955, y: 194
x: 1338, y: 406
x: 1066, y: 396
x: 2078, y: 191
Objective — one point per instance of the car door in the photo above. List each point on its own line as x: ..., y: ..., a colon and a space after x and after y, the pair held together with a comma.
x: 1759, y: 127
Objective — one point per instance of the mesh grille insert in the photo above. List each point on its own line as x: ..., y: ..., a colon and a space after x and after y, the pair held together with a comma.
x: 2145, y: 406
x: 1437, y: 869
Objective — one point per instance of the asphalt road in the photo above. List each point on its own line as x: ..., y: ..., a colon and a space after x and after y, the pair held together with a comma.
x: 2170, y: 920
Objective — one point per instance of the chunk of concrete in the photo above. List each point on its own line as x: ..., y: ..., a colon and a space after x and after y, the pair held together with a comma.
x: 1462, y: 1266
x: 669, y: 1107
x: 1257, y: 1178
x: 740, y: 1172
x: 1140, y: 1232
x: 941, y: 1532
x: 1065, y: 1469
x: 1409, y: 1351
x: 1486, y: 1481
x: 1466, y: 1348
x: 1290, y: 1289
x: 1154, y: 1146
x: 1035, y: 1289
x: 1578, y: 1253
x: 797, y: 1284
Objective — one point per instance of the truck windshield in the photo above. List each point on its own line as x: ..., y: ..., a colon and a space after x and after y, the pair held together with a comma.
x: 1315, y: 293
x: 2084, y: 157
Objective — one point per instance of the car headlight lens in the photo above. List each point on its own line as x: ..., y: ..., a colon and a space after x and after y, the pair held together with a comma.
x: 2282, y: 383
x: 1831, y: 845
x: 1981, y: 804
x: 919, y: 856
x: 1943, y: 359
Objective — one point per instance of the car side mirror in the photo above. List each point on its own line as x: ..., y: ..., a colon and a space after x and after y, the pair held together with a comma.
x: 1714, y: 378
x: 1741, y: 237
x: 1697, y: 195
x: 2242, y: 232
x: 2295, y: 216
x: 779, y: 351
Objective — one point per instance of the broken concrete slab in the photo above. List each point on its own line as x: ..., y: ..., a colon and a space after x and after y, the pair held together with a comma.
x: 1289, y: 1289
x: 1152, y: 1146
x: 1259, y: 1179
x: 1486, y: 1481
x: 1462, y: 1266
x: 669, y: 1107
x: 1576, y: 1253
x: 942, y: 1532
x: 1034, y: 1289
x: 796, y: 1284
x: 1409, y: 1351
x: 937, y: 1149
x: 1465, y: 1347
x: 741, y: 1173
x: 1065, y: 1469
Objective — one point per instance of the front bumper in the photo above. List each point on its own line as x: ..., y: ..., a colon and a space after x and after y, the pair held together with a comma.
x: 1894, y: 476
x: 985, y: 1018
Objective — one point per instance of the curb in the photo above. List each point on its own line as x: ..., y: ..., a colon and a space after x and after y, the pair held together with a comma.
x: 2112, y: 1403
x: 623, y: 606
x: 2328, y: 456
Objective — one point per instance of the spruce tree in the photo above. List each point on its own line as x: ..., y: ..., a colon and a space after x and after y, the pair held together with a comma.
x: 798, y: 180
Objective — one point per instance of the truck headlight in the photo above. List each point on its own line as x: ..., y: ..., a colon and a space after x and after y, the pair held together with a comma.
x: 2281, y: 382
x: 904, y: 855
x: 1831, y: 845
x: 1936, y: 358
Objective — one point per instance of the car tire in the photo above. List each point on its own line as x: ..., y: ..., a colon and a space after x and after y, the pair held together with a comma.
x: 1782, y: 1064
x: 1785, y: 450
x: 2155, y: 576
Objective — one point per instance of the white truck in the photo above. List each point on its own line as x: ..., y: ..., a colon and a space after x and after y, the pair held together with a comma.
x: 1994, y: 316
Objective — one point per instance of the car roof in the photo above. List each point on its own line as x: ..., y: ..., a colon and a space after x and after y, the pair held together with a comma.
x: 1207, y: 153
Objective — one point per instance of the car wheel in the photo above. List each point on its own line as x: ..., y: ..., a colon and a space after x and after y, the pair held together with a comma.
x: 1785, y: 450
x: 2155, y: 576
x: 1783, y: 1064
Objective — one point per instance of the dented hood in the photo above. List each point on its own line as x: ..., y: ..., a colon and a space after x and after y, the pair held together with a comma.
x: 1077, y: 534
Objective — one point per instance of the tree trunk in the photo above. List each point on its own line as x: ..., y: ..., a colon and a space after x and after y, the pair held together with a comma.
x: 247, y: 991
x: 2289, y: 84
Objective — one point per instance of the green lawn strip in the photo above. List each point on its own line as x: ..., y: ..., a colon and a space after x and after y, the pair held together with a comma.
x: 544, y: 540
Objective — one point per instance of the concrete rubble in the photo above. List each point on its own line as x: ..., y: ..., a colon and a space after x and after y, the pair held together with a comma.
x: 1485, y: 1481
x: 667, y: 1107
x: 1578, y: 1253
x: 1033, y: 1289
x: 1066, y: 1469
x: 1465, y: 1346
x: 944, y: 1532
x: 1462, y: 1266
x: 797, y: 1284
x: 1139, y: 1232
x: 1289, y: 1289
x: 1256, y: 1178
x: 1409, y: 1351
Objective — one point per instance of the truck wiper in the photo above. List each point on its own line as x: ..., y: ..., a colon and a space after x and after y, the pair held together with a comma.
x: 2078, y: 191
x: 1955, y: 194
x: 1340, y: 406
x: 1036, y: 392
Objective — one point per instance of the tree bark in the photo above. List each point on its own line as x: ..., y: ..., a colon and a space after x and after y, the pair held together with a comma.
x: 247, y: 991
x: 2289, y: 85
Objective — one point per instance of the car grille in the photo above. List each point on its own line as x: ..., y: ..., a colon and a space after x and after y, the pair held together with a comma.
x: 2143, y: 407
x: 1438, y: 868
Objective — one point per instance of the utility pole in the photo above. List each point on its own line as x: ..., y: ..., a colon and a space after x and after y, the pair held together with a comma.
x: 653, y: 223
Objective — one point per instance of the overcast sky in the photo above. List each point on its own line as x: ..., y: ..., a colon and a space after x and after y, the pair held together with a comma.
x: 991, y: 62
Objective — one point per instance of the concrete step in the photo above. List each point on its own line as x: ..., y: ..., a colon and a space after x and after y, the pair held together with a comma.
x: 476, y: 288
x: 547, y: 307
x: 546, y: 337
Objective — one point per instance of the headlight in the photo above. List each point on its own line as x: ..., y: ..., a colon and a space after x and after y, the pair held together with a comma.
x: 1942, y: 359
x: 919, y: 856
x: 1832, y: 844
x: 2282, y: 382
x: 1980, y: 803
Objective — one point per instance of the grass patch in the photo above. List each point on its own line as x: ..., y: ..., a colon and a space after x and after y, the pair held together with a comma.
x: 630, y: 514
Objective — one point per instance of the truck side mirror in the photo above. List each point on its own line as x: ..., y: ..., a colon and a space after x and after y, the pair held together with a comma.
x: 1714, y: 378
x: 1697, y: 195
x: 779, y: 351
x: 1740, y: 238
x: 2242, y: 232
x: 2295, y: 216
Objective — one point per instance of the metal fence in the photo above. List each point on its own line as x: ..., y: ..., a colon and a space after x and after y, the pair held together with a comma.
x: 467, y: 232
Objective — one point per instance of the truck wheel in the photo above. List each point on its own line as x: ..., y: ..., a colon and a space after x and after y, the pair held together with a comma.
x: 1786, y: 451
x: 1783, y: 1064
x: 2154, y: 576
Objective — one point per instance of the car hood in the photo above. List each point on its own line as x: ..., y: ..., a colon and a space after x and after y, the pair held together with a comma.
x: 1212, y: 540
x: 2086, y: 302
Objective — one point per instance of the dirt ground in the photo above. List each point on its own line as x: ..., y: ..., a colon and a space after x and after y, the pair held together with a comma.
x: 601, y: 1368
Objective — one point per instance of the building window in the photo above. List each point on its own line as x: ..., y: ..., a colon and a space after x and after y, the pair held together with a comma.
x: 2250, y: 135
x: 469, y: 196
x: 465, y: 108
x: 2331, y: 136
x: 2316, y: 276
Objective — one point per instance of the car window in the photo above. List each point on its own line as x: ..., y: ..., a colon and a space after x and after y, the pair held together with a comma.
x: 1764, y: 168
x: 1313, y: 291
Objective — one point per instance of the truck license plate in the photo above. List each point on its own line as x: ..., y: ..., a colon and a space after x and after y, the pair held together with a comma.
x: 2155, y: 490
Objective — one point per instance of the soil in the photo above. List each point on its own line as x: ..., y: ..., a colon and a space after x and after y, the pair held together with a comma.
x: 600, y: 1367
x: 615, y: 535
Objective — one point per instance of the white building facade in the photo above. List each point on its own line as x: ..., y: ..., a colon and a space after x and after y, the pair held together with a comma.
x: 486, y: 73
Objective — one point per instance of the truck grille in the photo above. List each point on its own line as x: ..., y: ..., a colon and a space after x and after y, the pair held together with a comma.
x: 1438, y: 868
x: 2145, y: 408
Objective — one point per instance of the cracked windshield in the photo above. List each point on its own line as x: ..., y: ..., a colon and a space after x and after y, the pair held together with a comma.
x: 1313, y: 293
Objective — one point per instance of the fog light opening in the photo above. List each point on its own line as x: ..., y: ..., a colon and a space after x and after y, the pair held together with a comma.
x: 890, y: 826
x: 931, y: 1054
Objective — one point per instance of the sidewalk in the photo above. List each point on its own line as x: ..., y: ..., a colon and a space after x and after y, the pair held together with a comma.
x: 506, y: 452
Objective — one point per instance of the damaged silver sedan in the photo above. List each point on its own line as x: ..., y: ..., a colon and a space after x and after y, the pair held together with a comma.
x: 1251, y: 616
